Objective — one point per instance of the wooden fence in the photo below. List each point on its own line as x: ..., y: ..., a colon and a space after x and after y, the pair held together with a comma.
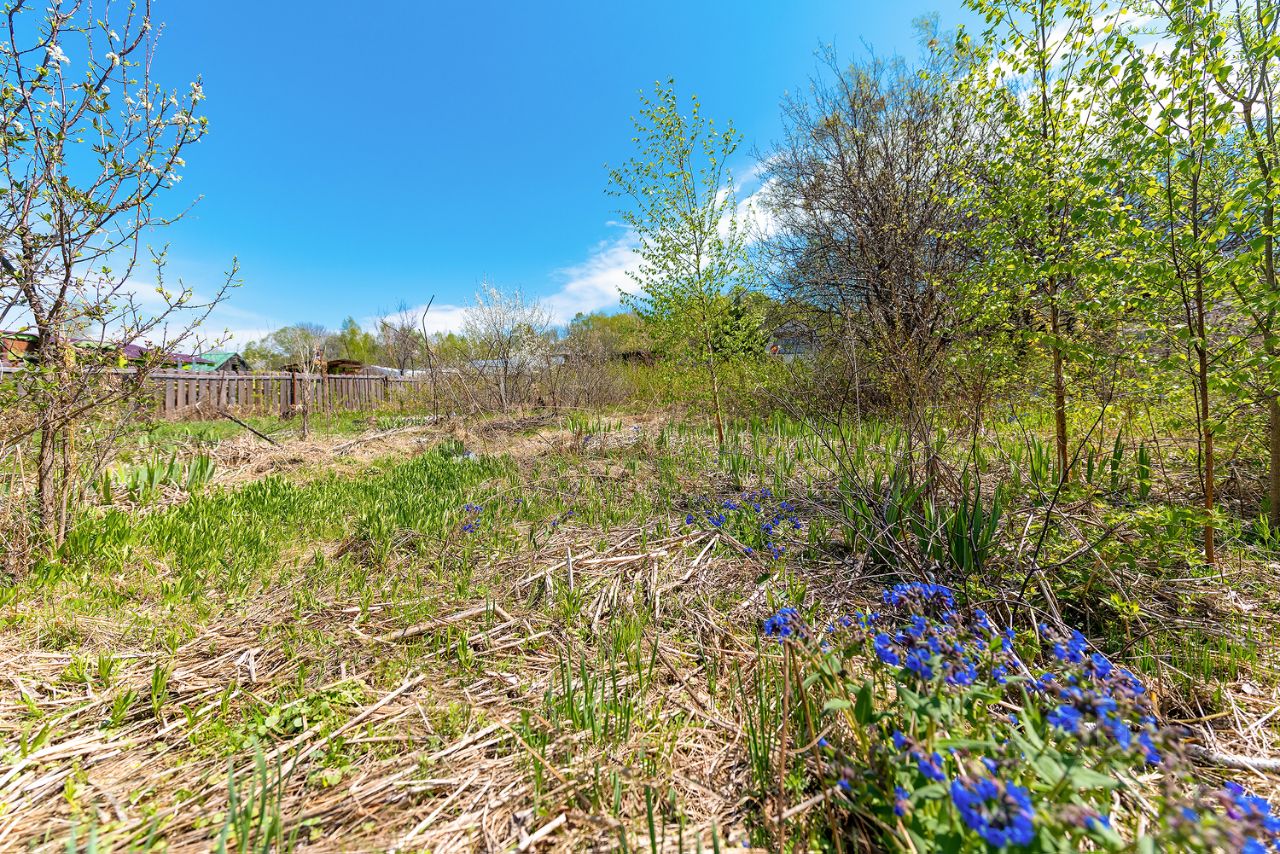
x: 179, y: 393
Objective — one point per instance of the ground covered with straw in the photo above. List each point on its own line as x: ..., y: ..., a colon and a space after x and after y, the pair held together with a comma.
x: 544, y: 633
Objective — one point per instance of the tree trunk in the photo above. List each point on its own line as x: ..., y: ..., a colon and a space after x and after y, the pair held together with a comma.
x: 46, y: 483
x: 715, y: 395
x: 1273, y: 410
x: 1059, y: 399
x: 1207, y: 430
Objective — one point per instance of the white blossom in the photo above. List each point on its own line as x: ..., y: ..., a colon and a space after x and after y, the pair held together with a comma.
x: 114, y: 57
x: 55, y: 53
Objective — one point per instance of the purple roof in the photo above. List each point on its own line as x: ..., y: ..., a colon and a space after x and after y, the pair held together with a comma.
x: 129, y: 351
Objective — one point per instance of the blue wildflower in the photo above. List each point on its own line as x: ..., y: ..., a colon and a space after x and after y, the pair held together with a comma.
x: 786, y: 623
x: 885, y: 650
x: 1066, y: 718
x: 998, y: 812
x: 919, y: 665
x: 931, y: 766
x: 1117, y: 729
x: 1149, y: 750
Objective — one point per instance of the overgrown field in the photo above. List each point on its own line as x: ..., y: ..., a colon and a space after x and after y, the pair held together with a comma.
x: 588, y: 631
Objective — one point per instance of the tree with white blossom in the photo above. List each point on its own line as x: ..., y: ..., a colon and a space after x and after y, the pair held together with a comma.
x: 89, y: 142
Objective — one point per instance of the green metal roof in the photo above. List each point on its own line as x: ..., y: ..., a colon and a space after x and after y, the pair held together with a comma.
x: 214, y: 360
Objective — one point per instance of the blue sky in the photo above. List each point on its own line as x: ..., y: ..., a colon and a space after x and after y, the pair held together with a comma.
x: 361, y: 160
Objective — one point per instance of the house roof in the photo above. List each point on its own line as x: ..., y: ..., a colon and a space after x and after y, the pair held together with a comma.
x: 129, y: 351
x: 215, y: 359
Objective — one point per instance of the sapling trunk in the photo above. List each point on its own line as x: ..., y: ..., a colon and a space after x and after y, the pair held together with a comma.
x: 1059, y: 399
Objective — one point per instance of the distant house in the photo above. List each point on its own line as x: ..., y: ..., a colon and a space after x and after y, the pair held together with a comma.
x: 792, y: 339
x: 136, y: 354
x: 341, y: 367
x: 16, y: 347
x: 519, y: 363
x: 221, y: 360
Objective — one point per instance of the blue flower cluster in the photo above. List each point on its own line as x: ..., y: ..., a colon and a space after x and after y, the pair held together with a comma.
x: 934, y: 641
x: 1254, y: 818
x: 1096, y: 700
x: 1229, y: 818
x: 920, y: 597
x: 1088, y: 705
x: 999, y: 812
x: 762, y: 520
x: 473, y: 511
x: 787, y: 623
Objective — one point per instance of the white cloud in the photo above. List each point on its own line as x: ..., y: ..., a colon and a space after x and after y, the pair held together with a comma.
x: 442, y: 317
x: 597, y: 282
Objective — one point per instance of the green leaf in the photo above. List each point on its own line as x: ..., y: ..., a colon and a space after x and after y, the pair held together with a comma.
x: 863, y: 708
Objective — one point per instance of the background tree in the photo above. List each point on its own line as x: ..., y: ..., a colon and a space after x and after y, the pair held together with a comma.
x: 353, y: 342
x: 863, y: 251
x: 683, y: 208
x: 401, y: 339
x: 608, y: 334
x: 505, y: 334
x: 89, y: 143
x: 1252, y: 45
x: 292, y: 344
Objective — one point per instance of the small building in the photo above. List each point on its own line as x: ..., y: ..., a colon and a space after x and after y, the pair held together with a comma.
x: 224, y: 361
x: 333, y: 367
x: 792, y: 339
x: 634, y: 356
x: 18, y: 347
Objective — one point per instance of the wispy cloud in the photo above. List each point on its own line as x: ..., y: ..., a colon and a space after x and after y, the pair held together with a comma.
x: 597, y: 282
x: 442, y: 317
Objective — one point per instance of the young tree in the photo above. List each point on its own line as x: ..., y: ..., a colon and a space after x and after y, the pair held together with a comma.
x: 89, y: 143
x: 1252, y: 34
x: 1043, y: 205
x: 1181, y: 176
x: 862, y: 244
x: 683, y: 209
x: 304, y: 348
x: 505, y: 334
